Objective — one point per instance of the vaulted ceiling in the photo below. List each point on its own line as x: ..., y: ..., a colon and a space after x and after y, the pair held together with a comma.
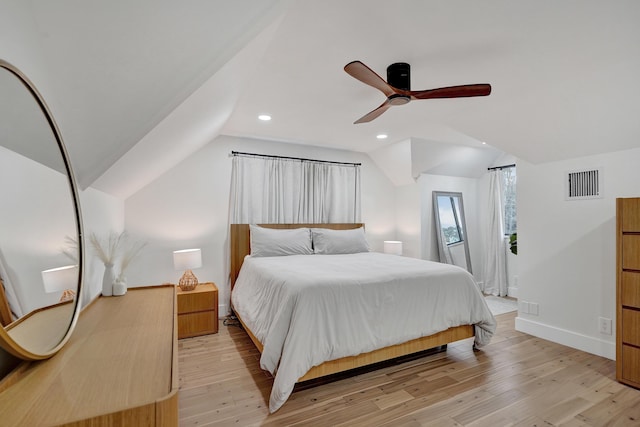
x: 139, y: 85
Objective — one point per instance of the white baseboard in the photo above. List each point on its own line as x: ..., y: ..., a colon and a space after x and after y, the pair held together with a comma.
x: 569, y: 338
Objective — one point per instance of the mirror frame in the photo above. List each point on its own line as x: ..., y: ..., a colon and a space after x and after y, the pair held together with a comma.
x: 463, y: 225
x: 6, y: 342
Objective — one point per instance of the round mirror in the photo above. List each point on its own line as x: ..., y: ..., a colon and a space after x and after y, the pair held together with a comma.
x: 41, y: 253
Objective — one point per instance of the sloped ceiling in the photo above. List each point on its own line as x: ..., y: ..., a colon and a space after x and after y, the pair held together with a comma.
x: 404, y: 161
x: 437, y: 158
x: 564, y: 75
x: 120, y: 67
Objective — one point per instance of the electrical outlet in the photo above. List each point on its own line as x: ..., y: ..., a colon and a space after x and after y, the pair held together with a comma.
x: 604, y: 325
x: 533, y: 308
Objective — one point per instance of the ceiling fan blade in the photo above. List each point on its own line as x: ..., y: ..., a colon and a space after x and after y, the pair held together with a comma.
x: 375, y: 113
x: 366, y: 75
x: 462, y: 91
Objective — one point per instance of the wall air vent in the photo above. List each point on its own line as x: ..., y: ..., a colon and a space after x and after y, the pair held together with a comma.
x: 585, y: 184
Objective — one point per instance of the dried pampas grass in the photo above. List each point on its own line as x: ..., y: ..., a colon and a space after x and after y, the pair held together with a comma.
x: 106, y: 249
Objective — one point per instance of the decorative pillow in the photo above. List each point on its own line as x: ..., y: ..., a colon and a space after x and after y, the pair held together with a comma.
x: 327, y: 241
x: 279, y: 242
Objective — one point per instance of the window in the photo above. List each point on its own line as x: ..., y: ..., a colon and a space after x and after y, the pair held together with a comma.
x: 449, y: 212
x: 509, y: 200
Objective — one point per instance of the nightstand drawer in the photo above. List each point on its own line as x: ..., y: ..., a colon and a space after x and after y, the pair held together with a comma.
x: 191, y: 301
x: 195, y: 324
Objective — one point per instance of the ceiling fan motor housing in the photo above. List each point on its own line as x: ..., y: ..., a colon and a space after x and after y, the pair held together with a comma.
x: 399, y: 75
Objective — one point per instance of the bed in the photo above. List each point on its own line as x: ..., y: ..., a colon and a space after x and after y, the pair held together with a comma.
x: 313, y: 315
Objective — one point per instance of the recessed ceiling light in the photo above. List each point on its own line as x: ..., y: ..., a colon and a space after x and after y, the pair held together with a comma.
x: 484, y: 143
x: 264, y: 117
x: 382, y: 136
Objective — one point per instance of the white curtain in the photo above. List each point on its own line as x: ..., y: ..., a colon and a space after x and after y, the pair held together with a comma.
x: 10, y: 293
x: 443, y: 250
x: 278, y: 190
x: 495, y: 264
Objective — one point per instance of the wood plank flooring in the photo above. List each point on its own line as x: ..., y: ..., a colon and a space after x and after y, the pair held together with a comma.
x: 517, y: 380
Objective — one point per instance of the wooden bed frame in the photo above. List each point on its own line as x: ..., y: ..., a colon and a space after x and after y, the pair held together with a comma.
x: 241, y: 246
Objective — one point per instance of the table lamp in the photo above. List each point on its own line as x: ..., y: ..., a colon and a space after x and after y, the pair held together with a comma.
x: 393, y: 247
x: 187, y: 259
x: 63, y: 279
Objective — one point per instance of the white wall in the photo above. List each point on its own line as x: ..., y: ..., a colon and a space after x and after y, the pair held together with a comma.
x: 188, y: 207
x: 407, y: 218
x: 101, y: 214
x: 566, y: 250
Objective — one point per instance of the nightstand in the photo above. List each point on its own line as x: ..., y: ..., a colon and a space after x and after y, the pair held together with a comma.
x: 197, y: 311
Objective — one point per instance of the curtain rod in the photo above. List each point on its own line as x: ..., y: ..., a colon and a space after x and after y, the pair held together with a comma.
x: 239, y: 153
x: 502, y: 167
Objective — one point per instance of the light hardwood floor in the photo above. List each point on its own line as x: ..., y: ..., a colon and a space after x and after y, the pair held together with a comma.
x: 517, y: 380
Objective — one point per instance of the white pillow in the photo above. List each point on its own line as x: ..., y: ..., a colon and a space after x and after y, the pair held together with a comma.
x: 327, y: 241
x: 279, y: 242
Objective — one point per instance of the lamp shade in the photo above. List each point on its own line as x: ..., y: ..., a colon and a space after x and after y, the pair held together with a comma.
x: 60, y: 279
x: 393, y: 247
x: 187, y: 259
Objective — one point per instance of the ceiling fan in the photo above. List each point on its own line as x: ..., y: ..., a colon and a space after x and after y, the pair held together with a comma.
x: 398, y: 91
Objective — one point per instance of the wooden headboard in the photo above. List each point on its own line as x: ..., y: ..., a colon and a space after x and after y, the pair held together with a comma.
x: 241, y: 241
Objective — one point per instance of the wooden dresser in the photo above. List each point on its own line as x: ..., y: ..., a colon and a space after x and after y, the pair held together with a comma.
x: 118, y: 368
x: 628, y: 291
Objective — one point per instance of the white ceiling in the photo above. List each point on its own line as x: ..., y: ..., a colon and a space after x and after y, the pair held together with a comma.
x: 564, y: 76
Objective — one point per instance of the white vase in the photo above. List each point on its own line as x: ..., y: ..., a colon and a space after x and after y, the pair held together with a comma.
x: 107, y: 280
x: 120, y: 286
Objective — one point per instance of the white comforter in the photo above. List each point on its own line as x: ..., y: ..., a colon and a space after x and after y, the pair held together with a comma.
x: 308, y: 309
